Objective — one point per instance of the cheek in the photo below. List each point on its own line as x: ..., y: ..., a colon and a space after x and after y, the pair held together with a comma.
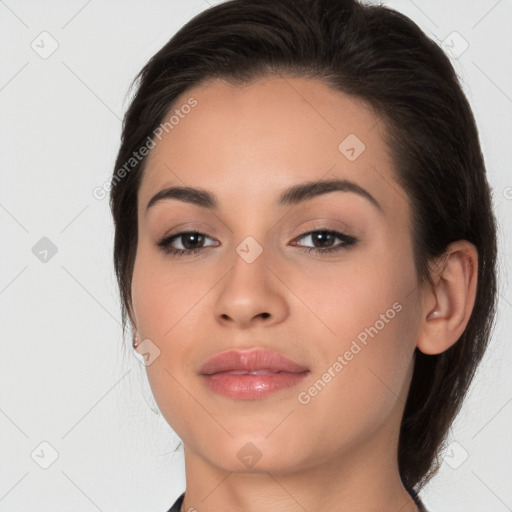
x: 167, y: 311
x: 366, y: 369
x: 368, y: 289
x: 163, y: 299
x: 366, y: 313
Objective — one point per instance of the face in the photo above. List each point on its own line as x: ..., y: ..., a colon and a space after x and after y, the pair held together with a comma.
x: 325, y: 279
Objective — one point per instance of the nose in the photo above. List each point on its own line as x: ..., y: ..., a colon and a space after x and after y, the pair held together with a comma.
x: 250, y: 294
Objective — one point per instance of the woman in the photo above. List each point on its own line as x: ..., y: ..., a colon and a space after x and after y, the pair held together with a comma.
x: 305, y: 248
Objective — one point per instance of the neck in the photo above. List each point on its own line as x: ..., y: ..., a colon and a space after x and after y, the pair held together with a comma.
x: 365, y: 479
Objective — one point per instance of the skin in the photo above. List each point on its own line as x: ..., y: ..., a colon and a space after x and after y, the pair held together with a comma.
x: 246, y: 144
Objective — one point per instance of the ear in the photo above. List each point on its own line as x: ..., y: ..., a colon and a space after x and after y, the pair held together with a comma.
x: 447, y: 307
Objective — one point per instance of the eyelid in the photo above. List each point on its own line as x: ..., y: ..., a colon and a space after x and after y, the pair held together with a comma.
x: 328, y: 224
x: 188, y: 227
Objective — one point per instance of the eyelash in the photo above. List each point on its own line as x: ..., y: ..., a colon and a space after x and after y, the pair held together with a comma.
x: 348, y: 241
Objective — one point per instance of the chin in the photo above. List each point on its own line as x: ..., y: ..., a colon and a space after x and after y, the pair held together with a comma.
x: 255, y: 455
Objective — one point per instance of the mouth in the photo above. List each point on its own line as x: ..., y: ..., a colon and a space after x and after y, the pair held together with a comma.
x: 245, y: 372
x: 251, y: 375
x: 250, y: 361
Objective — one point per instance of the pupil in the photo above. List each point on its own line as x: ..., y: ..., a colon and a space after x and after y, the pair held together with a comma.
x: 194, y: 237
x: 322, y: 236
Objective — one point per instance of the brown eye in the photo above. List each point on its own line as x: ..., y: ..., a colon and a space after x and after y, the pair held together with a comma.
x: 323, y: 240
x: 190, y: 241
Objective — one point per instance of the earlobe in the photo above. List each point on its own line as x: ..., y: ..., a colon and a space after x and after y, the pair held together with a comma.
x: 448, y: 306
x: 433, y: 314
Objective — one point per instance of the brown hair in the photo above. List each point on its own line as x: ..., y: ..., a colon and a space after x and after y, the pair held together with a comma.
x: 380, y: 56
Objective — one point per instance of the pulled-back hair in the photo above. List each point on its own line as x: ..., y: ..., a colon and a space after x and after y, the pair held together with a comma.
x: 379, y: 56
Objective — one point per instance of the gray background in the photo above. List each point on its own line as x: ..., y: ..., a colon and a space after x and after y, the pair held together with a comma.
x: 65, y: 380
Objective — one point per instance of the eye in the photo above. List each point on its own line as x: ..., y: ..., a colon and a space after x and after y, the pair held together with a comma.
x: 190, y: 242
x: 325, y: 238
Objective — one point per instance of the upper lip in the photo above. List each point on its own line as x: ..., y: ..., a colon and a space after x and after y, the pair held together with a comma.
x: 250, y: 361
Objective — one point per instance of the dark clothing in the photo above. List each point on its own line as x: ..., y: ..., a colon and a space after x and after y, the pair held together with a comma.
x: 416, y: 499
x: 177, y: 504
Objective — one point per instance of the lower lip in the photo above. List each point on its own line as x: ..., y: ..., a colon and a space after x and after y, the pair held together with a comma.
x: 251, y: 387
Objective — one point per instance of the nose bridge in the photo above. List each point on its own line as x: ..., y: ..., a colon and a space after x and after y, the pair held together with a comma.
x: 249, y: 266
x: 248, y: 290
x: 251, y: 239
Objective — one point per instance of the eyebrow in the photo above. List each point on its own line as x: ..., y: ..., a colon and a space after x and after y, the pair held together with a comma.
x: 291, y: 196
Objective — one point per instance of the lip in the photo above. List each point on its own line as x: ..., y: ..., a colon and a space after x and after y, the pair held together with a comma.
x: 250, y: 361
x: 223, y: 373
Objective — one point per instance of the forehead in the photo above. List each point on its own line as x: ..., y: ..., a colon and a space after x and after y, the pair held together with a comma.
x: 249, y: 142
